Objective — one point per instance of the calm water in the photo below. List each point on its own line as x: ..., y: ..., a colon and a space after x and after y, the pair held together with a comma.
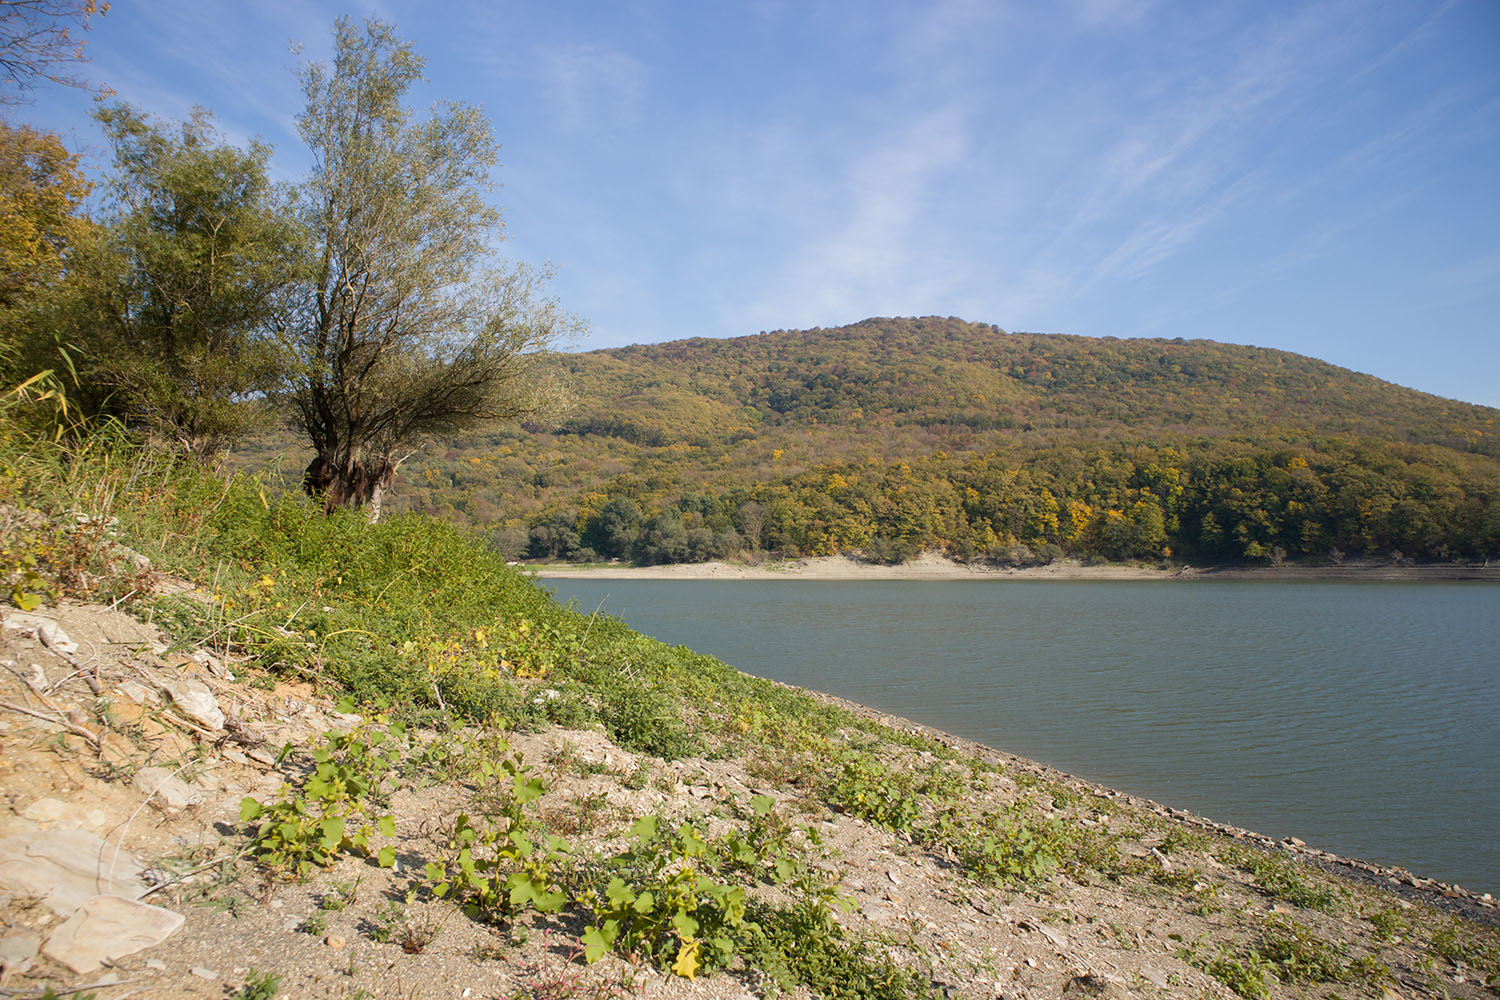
x: 1363, y: 718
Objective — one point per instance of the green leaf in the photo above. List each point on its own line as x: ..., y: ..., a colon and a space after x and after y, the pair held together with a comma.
x: 522, y: 891
x: 687, y: 928
x: 594, y: 945
x: 644, y: 829
x: 387, y: 825
x: 26, y: 601
x: 386, y: 856
x: 618, y: 892
x: 762, y: 804
x: 250, y: 809
x: 333, y: 831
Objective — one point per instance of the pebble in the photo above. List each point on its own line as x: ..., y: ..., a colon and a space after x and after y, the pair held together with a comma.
x: 203, y: 973
x: 334, y: 941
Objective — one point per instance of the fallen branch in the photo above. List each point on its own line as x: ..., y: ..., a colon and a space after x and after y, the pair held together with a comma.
x: 60, y: 720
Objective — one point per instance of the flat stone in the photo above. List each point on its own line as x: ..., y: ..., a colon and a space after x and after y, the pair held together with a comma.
x: 196, y: 701
x: 878, y: 912
x: 264, y: 756
x: 47, y: 813
x: 65, y: 868
x: 106, y: 928
x: 138, y: 693
x: 167, y: 787
x: 18, y: 950
x: 203, y: 973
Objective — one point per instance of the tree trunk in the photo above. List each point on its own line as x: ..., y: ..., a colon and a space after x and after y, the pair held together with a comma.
x: 350, y: 482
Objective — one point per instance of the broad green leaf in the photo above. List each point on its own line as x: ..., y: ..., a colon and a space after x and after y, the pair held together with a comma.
x: 594, y: 945
x: 333, y: 830
x: 644, y: 829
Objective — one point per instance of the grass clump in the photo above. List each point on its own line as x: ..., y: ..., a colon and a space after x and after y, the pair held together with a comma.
x: 1280, y: 876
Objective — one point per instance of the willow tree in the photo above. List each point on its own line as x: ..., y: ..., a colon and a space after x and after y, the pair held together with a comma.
x: 167, y: 303
x: 405, y: 327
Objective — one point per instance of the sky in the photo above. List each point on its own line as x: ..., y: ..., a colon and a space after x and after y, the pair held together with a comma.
x: 1318, y: 177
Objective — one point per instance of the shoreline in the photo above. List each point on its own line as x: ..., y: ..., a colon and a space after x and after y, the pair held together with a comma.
x: 931, y: 567
x: 1474, y: 903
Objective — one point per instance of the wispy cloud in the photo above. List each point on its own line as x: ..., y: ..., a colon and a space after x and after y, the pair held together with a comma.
x: 592, y: 86
x: 872, y: 252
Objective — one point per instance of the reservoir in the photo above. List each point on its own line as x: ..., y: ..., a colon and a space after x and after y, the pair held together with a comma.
x: 1362, y: 717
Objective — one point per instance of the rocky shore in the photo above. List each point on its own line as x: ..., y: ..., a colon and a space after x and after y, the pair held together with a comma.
x: 124, y: 868
x: 936, y: 567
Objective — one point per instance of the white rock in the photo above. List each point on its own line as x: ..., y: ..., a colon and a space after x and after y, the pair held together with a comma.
x: 18, y: 950
x: 66, y: 868
x: 46, y: 813
x: 167, y: 787
x: 138, y: 693
x: 196, y: 702
x: 107, y: 928
x: 55, y: 639
x: 204, y: 658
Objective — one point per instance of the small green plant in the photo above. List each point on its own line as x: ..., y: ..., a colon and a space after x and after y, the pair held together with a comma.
x: 1456, y: 943
x: 1389, y: 924
x: 868, y: 789
x: 663, y: 905
x: 258, y: 986
x: 315, y: 924
x: 331, y: 812
x: 495, y: 867
x: 1244, y: 972
x: 340, y: 896
x: 1282, y: 877
x: 802, y: 945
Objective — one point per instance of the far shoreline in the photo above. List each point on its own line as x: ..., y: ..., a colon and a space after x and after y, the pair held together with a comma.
x: 931, y: 567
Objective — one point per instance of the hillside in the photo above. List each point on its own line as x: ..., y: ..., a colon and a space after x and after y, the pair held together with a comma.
x: 894, y: 436
x: 254, y: 751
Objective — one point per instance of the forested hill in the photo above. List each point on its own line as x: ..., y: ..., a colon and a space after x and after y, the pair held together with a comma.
x: 972, y: 377
x: 891, y: 436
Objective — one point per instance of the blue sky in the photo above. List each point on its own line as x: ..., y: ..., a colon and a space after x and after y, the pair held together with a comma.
x: 1321, y: 177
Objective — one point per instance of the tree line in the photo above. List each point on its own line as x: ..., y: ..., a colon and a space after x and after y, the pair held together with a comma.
x: 361, y: 304
x: 1212, y: 501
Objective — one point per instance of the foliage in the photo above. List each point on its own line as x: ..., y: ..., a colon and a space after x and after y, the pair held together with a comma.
x: 1290, y: 952
x: 803, y: 945
x: 332, y: 811
x: 868, y: 789
x: 398, y: 330
x: 498, y: 869
x: 41, y: 189
x: 258, y: 986
x: 37, y: 42
x: 166, y: 303
x: 1280, y: 876
x: 664, y: 905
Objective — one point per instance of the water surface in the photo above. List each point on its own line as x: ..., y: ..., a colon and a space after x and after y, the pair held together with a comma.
x: 1361, y: 717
